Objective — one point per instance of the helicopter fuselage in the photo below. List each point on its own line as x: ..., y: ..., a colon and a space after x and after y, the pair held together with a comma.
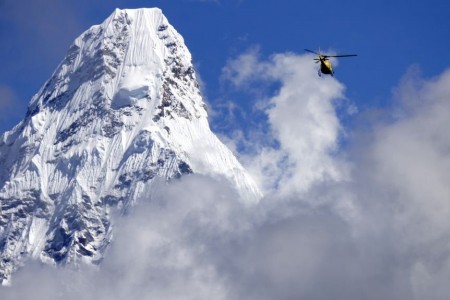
x: 325, y: 66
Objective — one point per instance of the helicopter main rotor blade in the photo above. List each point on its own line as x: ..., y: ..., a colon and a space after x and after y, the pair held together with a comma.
x: 345, y: 55
x: 312, y: 51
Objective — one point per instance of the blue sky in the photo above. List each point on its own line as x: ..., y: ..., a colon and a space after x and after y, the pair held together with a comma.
x: 388, y: 36
x: 354, y: 168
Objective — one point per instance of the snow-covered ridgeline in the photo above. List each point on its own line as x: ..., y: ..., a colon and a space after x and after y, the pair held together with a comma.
x: 122, y: 108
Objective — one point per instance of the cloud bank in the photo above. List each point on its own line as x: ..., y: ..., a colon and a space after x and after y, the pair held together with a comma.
x: 301, y: 119
x: 368, y: 221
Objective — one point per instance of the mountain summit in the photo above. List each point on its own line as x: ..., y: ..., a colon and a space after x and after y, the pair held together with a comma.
x: 121, y: 110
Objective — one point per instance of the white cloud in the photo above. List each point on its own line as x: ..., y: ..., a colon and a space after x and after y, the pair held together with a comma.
x: 409, y: 161
x: 301, y: 118
x: 396, y: 199
x: 164, y: 249
x: 196, y: 240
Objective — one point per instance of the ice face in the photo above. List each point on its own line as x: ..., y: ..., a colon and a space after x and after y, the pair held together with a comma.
x: 122, y: 109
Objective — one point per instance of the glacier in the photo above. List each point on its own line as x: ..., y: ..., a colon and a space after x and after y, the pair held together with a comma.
x: 122, y: 110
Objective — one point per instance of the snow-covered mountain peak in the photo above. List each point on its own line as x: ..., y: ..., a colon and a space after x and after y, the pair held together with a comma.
x: 122, y: 109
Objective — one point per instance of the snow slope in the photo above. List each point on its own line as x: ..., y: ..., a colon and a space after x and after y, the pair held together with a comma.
x: 122, y: 109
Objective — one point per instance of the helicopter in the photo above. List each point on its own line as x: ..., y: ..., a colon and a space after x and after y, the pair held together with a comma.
x: 325, y: 65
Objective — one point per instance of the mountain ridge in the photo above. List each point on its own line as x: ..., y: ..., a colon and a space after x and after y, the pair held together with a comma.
x: 123, y: 107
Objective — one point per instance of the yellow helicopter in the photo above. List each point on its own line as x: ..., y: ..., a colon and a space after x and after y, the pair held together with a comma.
x: 325, y: 65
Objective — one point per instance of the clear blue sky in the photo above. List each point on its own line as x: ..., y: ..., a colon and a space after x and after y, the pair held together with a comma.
x: 388, y: 36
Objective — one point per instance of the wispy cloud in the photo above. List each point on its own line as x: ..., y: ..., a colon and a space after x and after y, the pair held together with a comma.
x: 301, y: 117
